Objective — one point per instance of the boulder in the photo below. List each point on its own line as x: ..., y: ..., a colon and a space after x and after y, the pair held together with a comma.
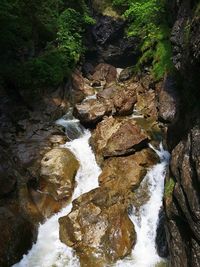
x: 92, y: 111
x: 98, y: 228
x: 104, y: 72
x: 79, y: 87
x: 58, y: 170
x: 112, y: 100
x: 127, y: 172
x: 115, y: 137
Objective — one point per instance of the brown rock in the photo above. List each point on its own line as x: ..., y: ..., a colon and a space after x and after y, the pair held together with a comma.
x: 98, y: 228
x: 92, y: 111
x: 147, y: 104
x: 127, y: 172
x: 114, y: 137
x: 105, y: 72
x: 58, y: 170
x: 79, y: 87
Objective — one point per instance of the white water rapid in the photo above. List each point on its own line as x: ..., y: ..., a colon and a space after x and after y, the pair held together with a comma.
x: 50, y: 252
x: 144, y: 253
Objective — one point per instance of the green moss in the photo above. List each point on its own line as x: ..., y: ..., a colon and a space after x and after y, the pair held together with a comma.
x: 148, y: 21
x: 169, y: 187
x: 106, y: 8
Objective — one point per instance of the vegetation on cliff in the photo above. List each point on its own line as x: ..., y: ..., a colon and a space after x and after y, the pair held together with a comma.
x: 40, y: 41
x: 148, y: 21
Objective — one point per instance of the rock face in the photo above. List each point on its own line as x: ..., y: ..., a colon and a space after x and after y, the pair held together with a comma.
x: 113, y: 137
x: 168, y: 101
x: 182, y: 202
x: 58, y: 170
x: 182, y: 205
x: 98, y: 228
x: 17, y: 236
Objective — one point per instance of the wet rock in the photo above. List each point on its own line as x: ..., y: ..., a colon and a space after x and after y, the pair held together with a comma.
x: 98, y: 228
x: 127, y: 172
x: 114, y: 137
x: 161, y: 239
x: 92, y: 111
x: 126, y: 74
x: 58, y: 170
x: 168, y: 100
x: 17, y: 236
x: 104, y: 72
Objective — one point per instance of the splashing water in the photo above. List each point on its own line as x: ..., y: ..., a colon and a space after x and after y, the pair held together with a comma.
x: 50, y: 252
x: 144, y: 253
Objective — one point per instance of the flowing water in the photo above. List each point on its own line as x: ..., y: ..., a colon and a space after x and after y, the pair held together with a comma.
x: 50, y: 252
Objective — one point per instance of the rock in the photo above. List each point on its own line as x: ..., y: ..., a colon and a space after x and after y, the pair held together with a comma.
x: 127, y: 172
x: 8, y: 174
x: 168, y: 101
x: 105, y: 72
x: 147, y: 104
x: 98, y: 228
x: 79, y: 87
x: 58, y: 170
x: 122, y: 53
x: 17, y: 236
x: 183, y: 208
x: 126, y: 74
x: 108, y: 139
x: 124, y: 101
x: 161, y: 239
x: 107, y: 29
x: 92, y: 111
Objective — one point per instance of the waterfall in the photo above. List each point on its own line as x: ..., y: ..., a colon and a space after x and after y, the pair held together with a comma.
x: 48, y: 251
x: 144, y: 253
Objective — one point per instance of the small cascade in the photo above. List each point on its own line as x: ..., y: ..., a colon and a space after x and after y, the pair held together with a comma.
x: 48, y: 250
x: 144, y: 253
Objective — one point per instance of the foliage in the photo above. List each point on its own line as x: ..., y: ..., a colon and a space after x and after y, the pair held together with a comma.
x: 148, y: 21
x: 40, y: 41
x: 169, y: 187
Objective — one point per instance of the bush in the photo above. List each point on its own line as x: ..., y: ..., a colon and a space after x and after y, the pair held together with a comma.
x: 41, y: 41
x: 148, y: 21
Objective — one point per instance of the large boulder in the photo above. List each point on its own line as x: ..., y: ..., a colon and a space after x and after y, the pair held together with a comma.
x: 127, y: 172
x: 79, y: 87
x: 92, y: 111
x: 98, y: 228
x: 115, y: 137
x: 58, y: 170
x: 104, y: 73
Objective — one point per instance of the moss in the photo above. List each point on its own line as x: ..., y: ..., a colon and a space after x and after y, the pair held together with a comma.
x: 169, y: 187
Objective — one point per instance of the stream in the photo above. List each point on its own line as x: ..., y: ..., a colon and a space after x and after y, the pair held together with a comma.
x: 48, y: 251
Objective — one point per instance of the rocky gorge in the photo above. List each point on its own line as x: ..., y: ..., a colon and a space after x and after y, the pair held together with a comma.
x: 127, y: 115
